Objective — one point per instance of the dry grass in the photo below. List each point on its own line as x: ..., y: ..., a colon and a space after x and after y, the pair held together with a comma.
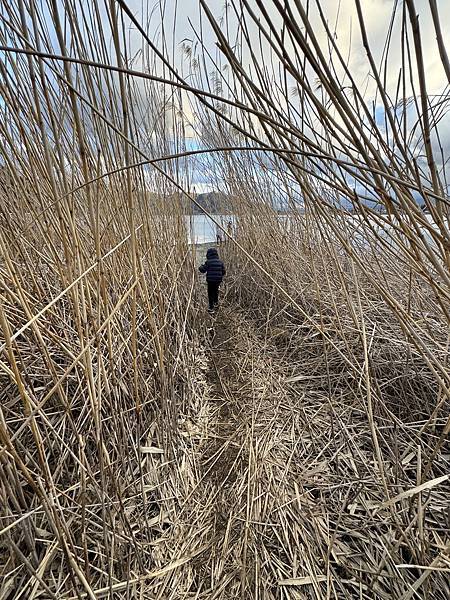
x: 296, y: 446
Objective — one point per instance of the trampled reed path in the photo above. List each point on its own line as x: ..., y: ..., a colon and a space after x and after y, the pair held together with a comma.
x: 294, y: 446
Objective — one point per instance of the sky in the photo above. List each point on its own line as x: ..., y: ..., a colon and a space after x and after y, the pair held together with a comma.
x: 341, y: 16
x: 179, y: 21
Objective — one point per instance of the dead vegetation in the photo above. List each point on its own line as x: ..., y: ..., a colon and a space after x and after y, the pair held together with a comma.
x: 296, y: 446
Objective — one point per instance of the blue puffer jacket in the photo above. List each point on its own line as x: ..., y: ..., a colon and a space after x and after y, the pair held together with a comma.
x: 213, y: 267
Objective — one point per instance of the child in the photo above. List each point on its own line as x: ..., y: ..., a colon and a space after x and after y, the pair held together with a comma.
x: 215, y: 270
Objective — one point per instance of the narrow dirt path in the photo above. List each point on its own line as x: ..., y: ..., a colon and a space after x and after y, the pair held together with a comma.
x: 241, y: 380
x: 222, y: 461
x: 222, y: 371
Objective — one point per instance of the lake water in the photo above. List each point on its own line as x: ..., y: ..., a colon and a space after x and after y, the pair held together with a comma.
x: 201, y: 230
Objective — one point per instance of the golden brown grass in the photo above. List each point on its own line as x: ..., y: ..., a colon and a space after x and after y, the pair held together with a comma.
x: 294, y: 447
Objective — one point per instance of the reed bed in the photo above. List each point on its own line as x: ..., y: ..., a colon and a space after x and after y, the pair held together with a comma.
x: 296, y: 446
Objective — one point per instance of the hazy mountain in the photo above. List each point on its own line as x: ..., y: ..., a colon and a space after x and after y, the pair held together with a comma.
x: 216, y: 203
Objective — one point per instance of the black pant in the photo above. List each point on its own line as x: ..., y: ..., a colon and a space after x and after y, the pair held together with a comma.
x: 213, y: 293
